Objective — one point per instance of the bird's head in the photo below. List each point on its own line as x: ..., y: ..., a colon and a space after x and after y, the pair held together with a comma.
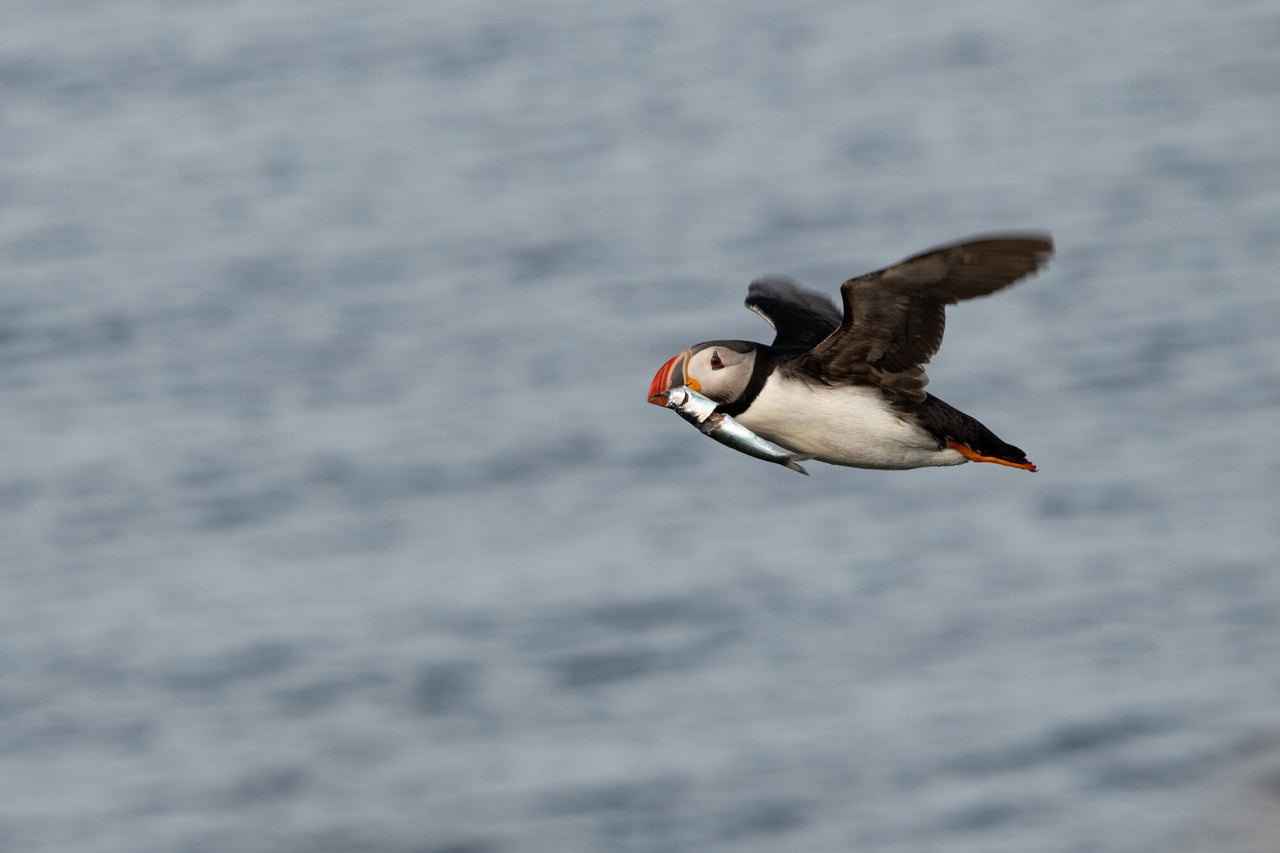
x: 719, y: 370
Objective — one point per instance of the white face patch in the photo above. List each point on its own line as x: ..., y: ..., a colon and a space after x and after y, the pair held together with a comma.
x: 722, y: 371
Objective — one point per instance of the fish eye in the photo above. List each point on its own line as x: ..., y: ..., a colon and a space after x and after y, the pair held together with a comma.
x: 716, y: 363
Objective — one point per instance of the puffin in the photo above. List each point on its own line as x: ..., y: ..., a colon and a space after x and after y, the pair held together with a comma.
x: 847, y: 387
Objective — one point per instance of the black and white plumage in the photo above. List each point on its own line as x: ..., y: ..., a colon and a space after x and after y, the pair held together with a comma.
x: 847, y: 386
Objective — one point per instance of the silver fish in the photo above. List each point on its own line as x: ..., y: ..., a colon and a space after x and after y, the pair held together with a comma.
x: 701, y: 412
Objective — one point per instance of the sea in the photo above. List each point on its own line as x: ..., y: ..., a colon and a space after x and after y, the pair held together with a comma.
x: 333, y: 516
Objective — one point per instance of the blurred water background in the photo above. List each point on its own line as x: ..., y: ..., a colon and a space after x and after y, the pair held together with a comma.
x: 333, y: 518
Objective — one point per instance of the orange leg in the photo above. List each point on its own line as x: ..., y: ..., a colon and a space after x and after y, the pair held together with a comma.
x: 974, y: 456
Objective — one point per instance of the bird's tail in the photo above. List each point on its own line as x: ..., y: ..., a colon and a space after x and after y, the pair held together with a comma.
x: 969, y: 437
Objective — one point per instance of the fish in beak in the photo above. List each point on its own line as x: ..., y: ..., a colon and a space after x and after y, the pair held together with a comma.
x: 701, y: 412
x: 671, y: 375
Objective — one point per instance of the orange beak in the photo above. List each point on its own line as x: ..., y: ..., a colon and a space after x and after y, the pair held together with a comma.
x: 670, y: 375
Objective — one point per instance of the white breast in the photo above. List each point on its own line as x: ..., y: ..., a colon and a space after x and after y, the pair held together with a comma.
x: 843, y: 425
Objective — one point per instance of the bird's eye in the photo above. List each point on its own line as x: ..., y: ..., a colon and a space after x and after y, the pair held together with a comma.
x: 716, y: 363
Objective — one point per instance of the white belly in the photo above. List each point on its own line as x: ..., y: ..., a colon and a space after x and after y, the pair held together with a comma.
x: 843, y: 425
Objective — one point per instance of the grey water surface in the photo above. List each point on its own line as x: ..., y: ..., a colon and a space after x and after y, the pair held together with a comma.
x: 333, y: 518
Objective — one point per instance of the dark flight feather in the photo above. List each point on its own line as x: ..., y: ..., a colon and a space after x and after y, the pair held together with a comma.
x: 801, y: 318
x: 894, y: 318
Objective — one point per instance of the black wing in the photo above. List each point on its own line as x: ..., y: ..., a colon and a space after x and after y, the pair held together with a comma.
x: 894, y: 318
x: 801, y: 318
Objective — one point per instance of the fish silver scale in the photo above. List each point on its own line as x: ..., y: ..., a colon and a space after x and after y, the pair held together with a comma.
x: 701, y: 412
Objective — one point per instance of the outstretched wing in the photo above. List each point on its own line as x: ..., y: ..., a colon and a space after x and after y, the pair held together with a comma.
x: 894, y: 317
x: 801, y: 318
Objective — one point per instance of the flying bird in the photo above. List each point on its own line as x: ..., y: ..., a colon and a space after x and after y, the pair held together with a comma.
x: 847, y: 387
